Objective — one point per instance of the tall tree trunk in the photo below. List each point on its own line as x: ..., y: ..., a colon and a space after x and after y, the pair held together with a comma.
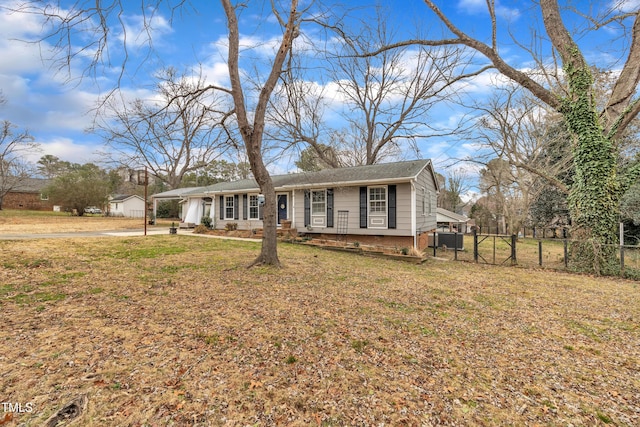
x: 594, y: 197
x: 269, y: 251
x: 253, y: 131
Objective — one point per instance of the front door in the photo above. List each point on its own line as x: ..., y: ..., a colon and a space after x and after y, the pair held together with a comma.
x: 282, y: 207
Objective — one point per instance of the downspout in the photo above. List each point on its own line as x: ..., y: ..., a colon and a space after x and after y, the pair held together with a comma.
x: 293, y: 209
x: 414, y: 226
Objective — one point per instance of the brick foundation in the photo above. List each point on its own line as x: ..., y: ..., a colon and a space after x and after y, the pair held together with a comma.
x: 383, y: 241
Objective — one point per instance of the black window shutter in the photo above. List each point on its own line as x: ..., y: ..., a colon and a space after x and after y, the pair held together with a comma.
x: 244, y: 206
x: 221, y: 207
x: 235, y: 207
x: 392, y: 207
x: 330, y: 207
x: 363, y: 207
x: 307, y: 207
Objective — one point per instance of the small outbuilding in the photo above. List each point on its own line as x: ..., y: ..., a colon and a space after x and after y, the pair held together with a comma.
x: 130, y: 206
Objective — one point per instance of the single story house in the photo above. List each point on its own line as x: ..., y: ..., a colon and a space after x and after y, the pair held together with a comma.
x: 390, y: 204
x: 130, y: 206
x: 25, y: 193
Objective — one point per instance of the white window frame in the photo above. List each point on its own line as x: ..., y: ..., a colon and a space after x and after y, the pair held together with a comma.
x: 424, y: 201
x: 227, y: 207
x: 253, y: 204
x: 378, y: 218
x: 318, y: 208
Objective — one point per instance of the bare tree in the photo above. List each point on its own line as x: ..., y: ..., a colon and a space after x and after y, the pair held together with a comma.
x: 388, y: 97
x: 519, y: 129
x: 509, y: 193
x: 252, y: 128
x: 14, y: 146
x: 453, y: 186
x: 180, y: 129
x: 92, y: 21
x: 596, y: 129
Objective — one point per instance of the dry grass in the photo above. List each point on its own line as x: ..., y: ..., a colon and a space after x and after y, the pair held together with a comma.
x: 174, y: 330
x: 19, y: 222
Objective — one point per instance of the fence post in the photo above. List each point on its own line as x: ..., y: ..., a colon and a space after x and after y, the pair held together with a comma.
x: 566, y: 254
x: 455, y: 246
x: 540, y: 253
x: 435, y: 244
x: 622, y: 247
x: 475, y: 245
x: 514, y: 260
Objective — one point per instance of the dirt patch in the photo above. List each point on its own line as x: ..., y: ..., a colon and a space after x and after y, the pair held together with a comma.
x: 174, y: 330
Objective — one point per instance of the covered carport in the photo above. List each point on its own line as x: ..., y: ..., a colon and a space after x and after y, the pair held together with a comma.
x: 179, y: 194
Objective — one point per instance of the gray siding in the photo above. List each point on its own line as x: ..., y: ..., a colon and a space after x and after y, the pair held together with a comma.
x: 348, y: 199
x: 244, y: 224
x: 413, y: 198
x: 427, y: 198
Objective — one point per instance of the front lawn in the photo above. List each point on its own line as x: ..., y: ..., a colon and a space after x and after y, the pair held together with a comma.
x: 174, y: 330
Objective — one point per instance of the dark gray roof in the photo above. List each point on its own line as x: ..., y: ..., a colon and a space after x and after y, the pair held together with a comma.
x: 123, y: 197
x: 385, y: 172
x: 26, y: 185
x: 177, y: 193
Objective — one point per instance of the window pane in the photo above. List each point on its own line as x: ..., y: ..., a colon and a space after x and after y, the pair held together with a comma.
x: 378, y: 200
x: 228, y: 207
x: 253, y: 207
x: 318, y: 202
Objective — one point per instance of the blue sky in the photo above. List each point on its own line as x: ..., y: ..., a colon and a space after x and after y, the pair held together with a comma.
x: 56, y: 111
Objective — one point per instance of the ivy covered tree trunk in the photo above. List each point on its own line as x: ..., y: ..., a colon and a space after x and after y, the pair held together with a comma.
x: 594, y: 197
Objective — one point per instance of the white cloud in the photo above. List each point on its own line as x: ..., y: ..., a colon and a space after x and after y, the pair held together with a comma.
x: 625, y: 5
x: 67, y: 150
x: 138, y: 30
x: 480, y: 6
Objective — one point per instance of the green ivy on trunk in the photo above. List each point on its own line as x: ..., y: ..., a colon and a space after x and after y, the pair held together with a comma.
x: 594, y: 198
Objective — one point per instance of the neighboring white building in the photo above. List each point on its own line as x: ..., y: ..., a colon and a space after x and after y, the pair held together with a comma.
x: 127, y: 206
